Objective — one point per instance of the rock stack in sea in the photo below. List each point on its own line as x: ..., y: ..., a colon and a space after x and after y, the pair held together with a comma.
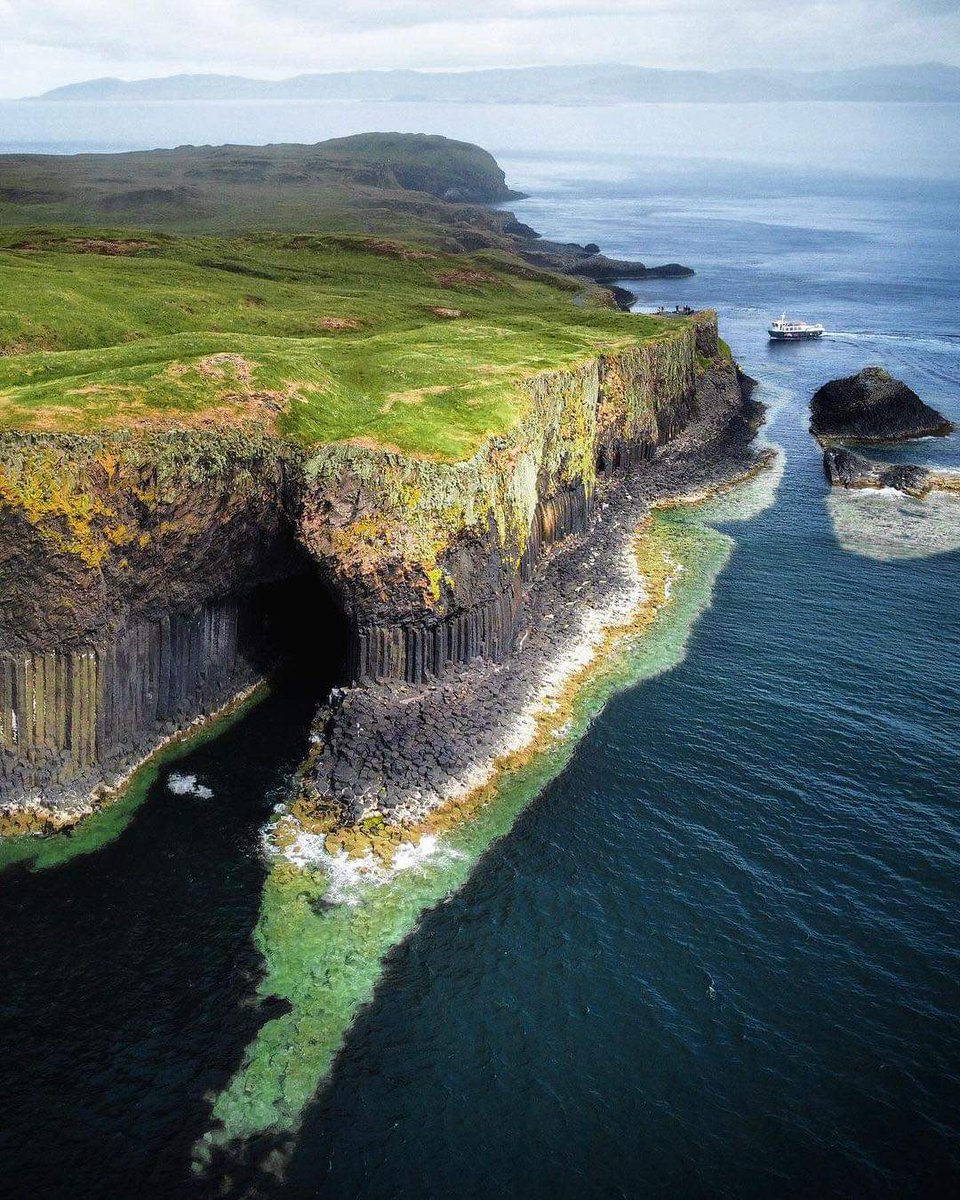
x: 872, y: 406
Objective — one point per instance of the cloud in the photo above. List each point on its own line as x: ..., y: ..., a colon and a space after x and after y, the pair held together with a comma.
x: 62, y: 40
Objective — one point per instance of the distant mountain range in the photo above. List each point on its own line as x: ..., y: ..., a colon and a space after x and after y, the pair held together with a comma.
x: 606, y: 84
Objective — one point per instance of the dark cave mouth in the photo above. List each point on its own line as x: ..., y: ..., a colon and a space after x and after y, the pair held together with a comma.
x: 295, y: 632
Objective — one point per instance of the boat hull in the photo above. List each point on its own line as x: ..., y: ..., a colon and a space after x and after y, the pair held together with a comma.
x: 806, y: 335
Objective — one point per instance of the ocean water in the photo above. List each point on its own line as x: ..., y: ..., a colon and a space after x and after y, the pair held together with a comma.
x: 709, y: 949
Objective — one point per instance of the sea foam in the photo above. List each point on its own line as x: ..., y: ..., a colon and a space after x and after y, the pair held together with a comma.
x: 188, y: 785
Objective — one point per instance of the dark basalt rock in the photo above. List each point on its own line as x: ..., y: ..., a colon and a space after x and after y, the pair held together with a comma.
x: 492, y: 194
x: 845, y: 469
x: 569, y: 258
x: 622, y: 297
x: 872, y: 406
x: 390, y: 746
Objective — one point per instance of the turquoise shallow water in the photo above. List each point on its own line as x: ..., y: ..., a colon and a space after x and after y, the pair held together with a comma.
x: 716, y: 956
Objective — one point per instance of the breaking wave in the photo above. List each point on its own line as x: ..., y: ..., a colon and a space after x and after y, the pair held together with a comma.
x: 188, y: 785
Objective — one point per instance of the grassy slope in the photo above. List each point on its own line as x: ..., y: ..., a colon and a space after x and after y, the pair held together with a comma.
x: 383, y: 183
x: 327, y: 338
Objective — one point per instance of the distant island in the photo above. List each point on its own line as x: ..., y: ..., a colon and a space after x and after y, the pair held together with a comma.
x: 426, y: 188
x: 607, y: 83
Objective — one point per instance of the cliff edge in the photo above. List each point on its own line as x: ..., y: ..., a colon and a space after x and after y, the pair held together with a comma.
x: 401, y: 431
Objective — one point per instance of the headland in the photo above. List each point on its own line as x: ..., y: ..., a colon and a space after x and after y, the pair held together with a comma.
x: 416, y: 459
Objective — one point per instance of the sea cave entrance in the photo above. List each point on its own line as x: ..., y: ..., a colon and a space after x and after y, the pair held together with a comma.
x: 295, y: 632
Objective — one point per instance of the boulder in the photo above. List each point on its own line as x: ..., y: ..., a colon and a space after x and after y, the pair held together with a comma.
x: 872, y: 406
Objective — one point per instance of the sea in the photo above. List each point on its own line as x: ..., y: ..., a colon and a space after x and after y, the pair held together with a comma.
x: 710, y: 945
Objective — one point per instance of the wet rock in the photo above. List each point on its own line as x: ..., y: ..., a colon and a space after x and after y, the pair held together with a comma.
x: 844, y: 468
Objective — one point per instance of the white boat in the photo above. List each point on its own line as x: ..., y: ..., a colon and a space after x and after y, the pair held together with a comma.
x: 783, y: 330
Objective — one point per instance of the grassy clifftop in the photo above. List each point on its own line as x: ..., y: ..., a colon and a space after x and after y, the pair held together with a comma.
x: 317, y: 338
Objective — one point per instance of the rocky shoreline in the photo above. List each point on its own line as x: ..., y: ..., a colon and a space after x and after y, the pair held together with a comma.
x: 193, y: 553
x: 392, y: 761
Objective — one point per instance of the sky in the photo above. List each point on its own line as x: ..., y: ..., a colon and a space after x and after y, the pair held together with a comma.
x: 46, y: 43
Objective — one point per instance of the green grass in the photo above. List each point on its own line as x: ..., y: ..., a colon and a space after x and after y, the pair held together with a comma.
x: 323, y: 338
x: 374, y: 183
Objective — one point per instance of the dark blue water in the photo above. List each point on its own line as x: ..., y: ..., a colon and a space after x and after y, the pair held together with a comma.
x: 719, y: 956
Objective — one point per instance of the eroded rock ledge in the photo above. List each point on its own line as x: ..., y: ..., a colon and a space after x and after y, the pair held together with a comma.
x: 846, y: 469
x: 139, y: 571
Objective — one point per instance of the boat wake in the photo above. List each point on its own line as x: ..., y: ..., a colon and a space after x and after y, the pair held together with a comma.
x: 949, y: 342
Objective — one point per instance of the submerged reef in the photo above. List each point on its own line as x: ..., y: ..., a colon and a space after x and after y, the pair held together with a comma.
x: 885, y: 511
x: 889, y: 526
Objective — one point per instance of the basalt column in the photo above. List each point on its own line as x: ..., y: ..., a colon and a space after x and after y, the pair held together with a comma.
x: 432, y: 559
x: 127, y: 564
x: 81, y: 716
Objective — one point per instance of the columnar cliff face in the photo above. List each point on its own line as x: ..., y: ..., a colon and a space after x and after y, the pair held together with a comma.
x: 75, y: 720
x: 429, y: 558
x: 129, y: 563
x: 127, y: 566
